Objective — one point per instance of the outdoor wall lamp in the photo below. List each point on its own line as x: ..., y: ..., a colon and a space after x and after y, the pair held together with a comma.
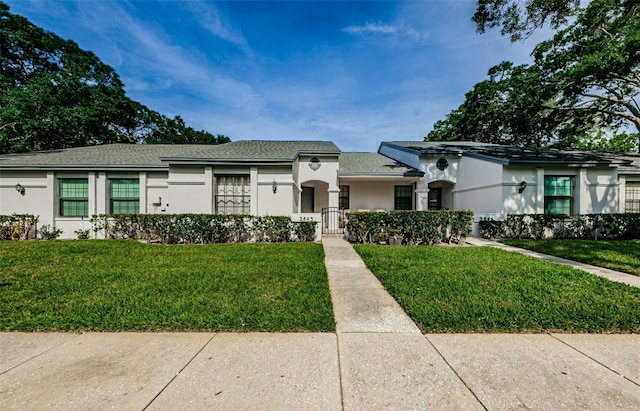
x: 20, y: 189
x: 522, y: 185
x: 274, y: 186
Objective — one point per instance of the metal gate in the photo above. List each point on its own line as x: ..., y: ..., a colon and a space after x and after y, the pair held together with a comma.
x: 332, y: 220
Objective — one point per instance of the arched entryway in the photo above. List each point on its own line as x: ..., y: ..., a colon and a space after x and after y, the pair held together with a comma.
x: 440, y: 195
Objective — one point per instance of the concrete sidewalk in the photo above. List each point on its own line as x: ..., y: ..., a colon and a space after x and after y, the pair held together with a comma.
x: 377, y: 359
x: 612, y: 275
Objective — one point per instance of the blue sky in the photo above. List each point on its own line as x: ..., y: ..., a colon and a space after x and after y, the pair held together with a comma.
x: 355, y: 73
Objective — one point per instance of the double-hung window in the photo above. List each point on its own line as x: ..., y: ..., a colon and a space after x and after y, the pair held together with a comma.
x: 558, y: 194
x: 343, y: 199
x: 74, y: 197
x: 125, y: 196
x: 403, y: 199
x: 233, y: 194
x: 632, y: 197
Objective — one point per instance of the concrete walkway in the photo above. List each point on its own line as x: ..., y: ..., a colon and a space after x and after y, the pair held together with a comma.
x: 377, y: 359
x: 612, y: 275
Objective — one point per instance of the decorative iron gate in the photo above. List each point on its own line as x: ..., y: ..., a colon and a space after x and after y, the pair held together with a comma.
x: 332, y: 220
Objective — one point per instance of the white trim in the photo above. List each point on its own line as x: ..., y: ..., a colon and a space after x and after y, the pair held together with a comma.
x: 465, y: 189
x: 185, y: 183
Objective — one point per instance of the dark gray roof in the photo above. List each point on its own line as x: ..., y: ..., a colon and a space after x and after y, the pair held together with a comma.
x: 150, y: 156
x: 373, y: 165
x: 509, y: 154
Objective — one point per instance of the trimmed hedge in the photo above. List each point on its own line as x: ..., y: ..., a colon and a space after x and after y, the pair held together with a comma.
x: 413, y: 227
x: 623, y: 226
x: 18, y: 226
x: 203, y: 228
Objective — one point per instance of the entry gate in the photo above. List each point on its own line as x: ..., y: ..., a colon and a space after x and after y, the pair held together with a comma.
x: 332, y: 220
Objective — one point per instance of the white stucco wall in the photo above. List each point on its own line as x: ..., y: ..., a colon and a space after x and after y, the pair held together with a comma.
x: 324, y: 180
x: 280, y: 202
x: 38, y: 195
x: 479, y: 186
x: 372, y: 195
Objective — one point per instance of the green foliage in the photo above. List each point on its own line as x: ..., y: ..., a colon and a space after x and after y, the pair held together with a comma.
x: 50, y: 233
x: 619, y: 255
x: 123, y: 285
x: 55, y: 95
x: 18, y: 226
x: 483, y: 289
x: 518, y: 19
x: 82, y: 234
x: 580, y: 92
x: 415, y: 227
x: 201, y: 228
x: 622, y: 226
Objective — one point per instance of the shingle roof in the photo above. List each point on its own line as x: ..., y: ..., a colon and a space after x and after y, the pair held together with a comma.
x: 510, y: 154
x: 142, y: 156
x: 373, y: 164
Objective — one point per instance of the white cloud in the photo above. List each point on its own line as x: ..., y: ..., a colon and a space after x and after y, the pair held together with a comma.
x: 209, y: 17
x: 385, y: 29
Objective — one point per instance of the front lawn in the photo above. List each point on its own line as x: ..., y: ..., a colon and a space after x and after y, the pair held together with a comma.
x: 483, y: 289
x: 619, y: 255
x: 115, y: 285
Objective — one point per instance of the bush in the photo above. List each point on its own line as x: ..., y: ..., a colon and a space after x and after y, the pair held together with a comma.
x: 50, y: 233
x: 202, y: 228
x: 17, y: 226
x: 414, y: 227
x: 82, y: 234
x: 623, y: 226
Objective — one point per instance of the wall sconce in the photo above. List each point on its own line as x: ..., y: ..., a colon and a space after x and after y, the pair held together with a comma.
x: 20, y: 189
x: 522, y: 185
x: 274, y: 186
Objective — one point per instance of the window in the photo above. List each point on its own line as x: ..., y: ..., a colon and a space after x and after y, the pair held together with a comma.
x: 403, y: 198
x: 74, y: 197
x: 343, y: 199
x: 632, y: 197
x: 233, y: 194
x: 125, y: 196
x: 558, y: 195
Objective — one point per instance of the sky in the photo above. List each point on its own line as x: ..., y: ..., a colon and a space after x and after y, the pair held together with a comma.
x: 355, y: 73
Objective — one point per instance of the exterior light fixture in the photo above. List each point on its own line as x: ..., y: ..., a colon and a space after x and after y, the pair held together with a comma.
x: 274, y: 186
x: 20, y: 189
x: 522, y: 185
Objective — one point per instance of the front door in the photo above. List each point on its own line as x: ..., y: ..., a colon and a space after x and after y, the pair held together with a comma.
x: 308, y: 199
x: 435, y: 198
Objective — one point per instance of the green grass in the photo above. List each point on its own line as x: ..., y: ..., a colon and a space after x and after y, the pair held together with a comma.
x: 125, y: 285
x: 483, y: 289
x: 619, y: 255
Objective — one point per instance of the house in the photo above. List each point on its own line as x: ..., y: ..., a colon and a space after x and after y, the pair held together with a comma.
x: 312, y: 180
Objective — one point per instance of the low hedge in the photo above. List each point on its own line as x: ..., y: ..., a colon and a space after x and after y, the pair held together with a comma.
x: 202, y: 228
x: 623, y: 226
x: 18, y: 226
x: 412, y: 227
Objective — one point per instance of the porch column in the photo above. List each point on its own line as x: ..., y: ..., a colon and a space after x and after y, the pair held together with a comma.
x: 581, y: 193
x: 142, y: 184
x: 540, y: 190
x: 422, y: 199
x: 253, y: 181
x: 622, y: 193
x: 334, y: 194
x: 208, y: 189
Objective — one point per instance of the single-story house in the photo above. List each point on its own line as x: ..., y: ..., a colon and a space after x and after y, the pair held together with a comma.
x: 312, y: 180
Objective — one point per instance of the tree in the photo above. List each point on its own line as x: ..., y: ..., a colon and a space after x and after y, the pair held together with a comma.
x: 594, y: 65
x: 175, y: 131
x: 508, y: 108
x: 55, y: 95
x: 584, y: 83
x: 518, y: 20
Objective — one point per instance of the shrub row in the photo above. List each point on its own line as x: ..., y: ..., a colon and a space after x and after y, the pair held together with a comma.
x: 622, y: 226
x: 412, y: 227
x: 203, y: 228
x: 18, y: 226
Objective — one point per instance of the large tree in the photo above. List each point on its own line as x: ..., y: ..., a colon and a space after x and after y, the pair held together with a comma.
x: 55, y: 95
x: 519, y: 19
x: 585, y: 81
